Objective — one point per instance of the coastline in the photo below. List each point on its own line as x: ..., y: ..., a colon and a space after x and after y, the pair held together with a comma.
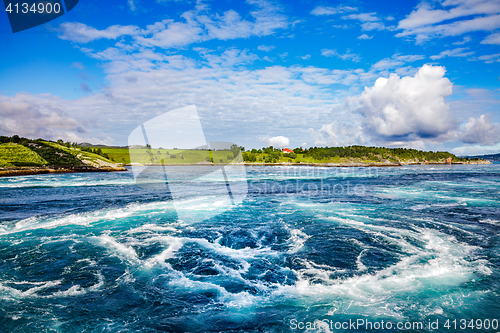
x: 332, y: 165
x: 29, y: 171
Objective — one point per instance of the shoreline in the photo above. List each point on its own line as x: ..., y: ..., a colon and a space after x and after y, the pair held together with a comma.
x: 29, y: 171
x: 331, y: 165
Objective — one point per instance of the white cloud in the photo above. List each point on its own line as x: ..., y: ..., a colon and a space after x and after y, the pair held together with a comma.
x: 196, y: 27
x: 347, y: 56
x: 265, y: 48
x: 307, y: 56
x: 450, y: 18
x: 458, y: 52
x: 131, y: 5
x: 492, y: 39
x: 407, y: 108
x: 481, y: 131
x: 371, y: 21
x: 425, y: 15
x: 465, y: 40
x: 363, y: 17
x: 368, y: 26
x: 167, y: 33
x: 82, y: 33
x: 365, y: 36
x: 320, y: 10
x: 339, y: 134
x: 474, y: 150
x: 78, y: 65
x: 491, y: 58
x: 236, y: 104
x: 230, y: 58
x: 395, y: 61
x: 276, y: 141
x: 39, y: 117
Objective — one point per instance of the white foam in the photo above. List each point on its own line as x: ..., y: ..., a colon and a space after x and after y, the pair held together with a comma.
x: 448, y: 268
x: 175, y: 245
x: 86, y: 219
x: 359, y: 263
x: 9, y: 293
x: 297, y: 239
x: 490, y: 221
x: 120, y: 249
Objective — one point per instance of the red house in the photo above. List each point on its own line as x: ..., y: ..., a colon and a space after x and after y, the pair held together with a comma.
x: 286, y: 150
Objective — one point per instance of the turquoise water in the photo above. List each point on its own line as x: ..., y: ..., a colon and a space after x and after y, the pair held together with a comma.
x: 307, y: 249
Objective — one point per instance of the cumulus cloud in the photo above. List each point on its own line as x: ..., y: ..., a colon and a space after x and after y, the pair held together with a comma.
x: 408, y: 108
x: 481, y: 131
x: 276, y: 141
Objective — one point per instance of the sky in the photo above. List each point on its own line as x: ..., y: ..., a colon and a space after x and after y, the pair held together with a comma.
x: 414, y: 74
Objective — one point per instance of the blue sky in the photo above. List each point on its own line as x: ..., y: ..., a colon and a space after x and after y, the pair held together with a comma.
x: 395, y: 73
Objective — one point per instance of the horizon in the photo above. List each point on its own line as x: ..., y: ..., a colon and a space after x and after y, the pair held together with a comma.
x: 262, y: 73
x: 79, y: 145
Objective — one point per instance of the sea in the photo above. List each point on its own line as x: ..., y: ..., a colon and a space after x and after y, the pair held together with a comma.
x: 306, y: 249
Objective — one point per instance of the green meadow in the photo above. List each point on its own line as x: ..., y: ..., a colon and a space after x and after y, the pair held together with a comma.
x: 38, y: 153
x: 167, y: 156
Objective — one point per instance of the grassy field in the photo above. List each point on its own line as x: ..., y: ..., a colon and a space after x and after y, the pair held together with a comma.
x: 43, y: 153
x: 169, y: 156
x: 12, y: 154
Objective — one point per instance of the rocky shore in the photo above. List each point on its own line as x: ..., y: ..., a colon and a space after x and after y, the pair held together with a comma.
x: 346, y: 164
x: 26, y: 171
x: 357, y: 164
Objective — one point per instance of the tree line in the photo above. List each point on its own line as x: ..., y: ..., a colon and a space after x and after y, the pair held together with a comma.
x: 378, y: 154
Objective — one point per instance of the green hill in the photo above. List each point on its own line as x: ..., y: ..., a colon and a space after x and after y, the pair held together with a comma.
x: 23, y: 153
x: 352, y: 155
